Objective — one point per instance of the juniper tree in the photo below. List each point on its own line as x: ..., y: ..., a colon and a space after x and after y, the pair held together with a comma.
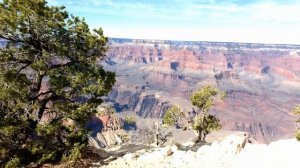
x: 173, y: 115
x: 204, y: 123
x: 49, y: 75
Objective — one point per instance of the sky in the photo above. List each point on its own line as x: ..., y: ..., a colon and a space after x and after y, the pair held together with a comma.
x: 254, y: 21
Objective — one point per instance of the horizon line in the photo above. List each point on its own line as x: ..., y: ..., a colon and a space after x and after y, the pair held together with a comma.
x: 207, y: 41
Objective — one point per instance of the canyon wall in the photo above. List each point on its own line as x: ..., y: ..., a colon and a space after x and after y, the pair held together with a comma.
x: 262, y: 81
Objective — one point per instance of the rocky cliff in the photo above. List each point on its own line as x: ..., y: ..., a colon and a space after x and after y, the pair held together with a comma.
x: 105, y: 127
x: 262, y: 81
x: 225, y: 154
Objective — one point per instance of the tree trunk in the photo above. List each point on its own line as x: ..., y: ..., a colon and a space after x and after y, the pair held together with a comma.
x: 156, y: 134
x: 204, y: 136
x: 199, y: 136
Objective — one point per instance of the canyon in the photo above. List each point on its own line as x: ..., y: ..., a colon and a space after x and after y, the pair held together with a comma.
x: 262, y: 81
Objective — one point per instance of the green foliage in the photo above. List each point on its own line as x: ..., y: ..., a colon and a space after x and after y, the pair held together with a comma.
x: 130, y: 120
x: 105, y: 109
x: 173, y: 115
x: 204, y: 98
x: 298, y: 135
x: 296, y: 112
x: 49, y: 61
x: 74, y: 153
x: 13, y: 163
x: 124, y: 136
x: 204, y: 123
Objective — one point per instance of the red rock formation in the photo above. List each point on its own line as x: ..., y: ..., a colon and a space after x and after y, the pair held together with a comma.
x: 262, y: 81
x: 110, y: 122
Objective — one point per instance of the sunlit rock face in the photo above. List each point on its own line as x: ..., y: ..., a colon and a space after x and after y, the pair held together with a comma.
x: 262, y: 81
x: 225, y: 153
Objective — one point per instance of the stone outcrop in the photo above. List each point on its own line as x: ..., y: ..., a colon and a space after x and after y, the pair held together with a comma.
x: 104, y: 130
x: 135, y: 99
x: 223, y: 153
x: 110, y: 123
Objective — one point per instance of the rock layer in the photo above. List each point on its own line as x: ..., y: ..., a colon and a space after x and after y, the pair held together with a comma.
x: 262, y: 81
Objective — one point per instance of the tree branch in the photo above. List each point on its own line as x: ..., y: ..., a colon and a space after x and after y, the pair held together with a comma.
x: 41, y: 110
x: 11, y: 39
x: 23, y: 67
x: 44, y: 102
x: 41, y: 94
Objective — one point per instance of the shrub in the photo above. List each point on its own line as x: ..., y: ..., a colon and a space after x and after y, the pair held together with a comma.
x: 105, y: 109
x: 296, y: 112
x: 130, y: 120
x: 173, y: 115
x: 298, y: 135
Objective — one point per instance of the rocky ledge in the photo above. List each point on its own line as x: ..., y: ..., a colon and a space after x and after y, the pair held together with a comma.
x: 225, y: 153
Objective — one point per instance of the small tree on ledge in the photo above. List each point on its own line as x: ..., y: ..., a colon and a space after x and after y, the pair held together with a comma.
x: 173, y: 115
x: 204, y: 123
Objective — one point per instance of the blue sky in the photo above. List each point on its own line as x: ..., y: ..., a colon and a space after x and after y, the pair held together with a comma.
x: 264, y: 21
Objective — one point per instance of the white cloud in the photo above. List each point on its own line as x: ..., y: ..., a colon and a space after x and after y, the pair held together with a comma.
x: 213, y: 20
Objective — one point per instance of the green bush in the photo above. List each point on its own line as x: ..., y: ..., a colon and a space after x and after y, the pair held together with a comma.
x: 105, y: 109
x: 173, y: 115
x: 296, y: 112
x: 298, y: 135
x: 130, y: 120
